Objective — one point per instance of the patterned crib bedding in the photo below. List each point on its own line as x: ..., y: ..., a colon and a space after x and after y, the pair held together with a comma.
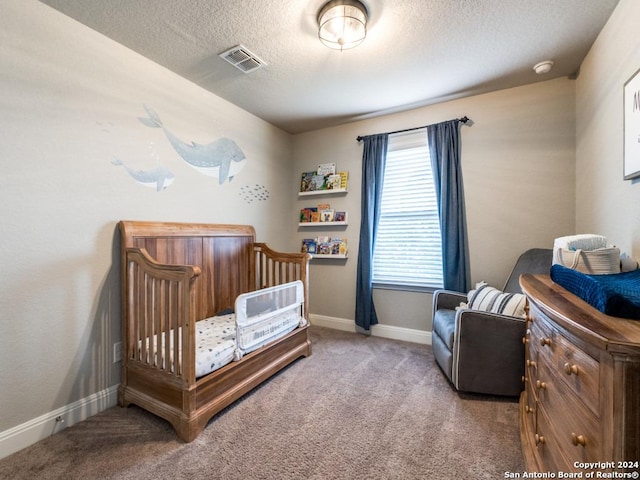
x: 215, y: 343
x: 262, y: 317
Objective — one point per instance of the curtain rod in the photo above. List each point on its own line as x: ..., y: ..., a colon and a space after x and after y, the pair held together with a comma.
x: 464, y: 119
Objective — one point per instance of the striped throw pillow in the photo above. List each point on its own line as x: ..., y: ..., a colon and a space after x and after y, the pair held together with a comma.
x: 489, y: 299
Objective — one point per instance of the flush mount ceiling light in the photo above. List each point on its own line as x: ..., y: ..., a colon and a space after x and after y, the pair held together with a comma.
x: 343, y: 24
x: 543, y: 67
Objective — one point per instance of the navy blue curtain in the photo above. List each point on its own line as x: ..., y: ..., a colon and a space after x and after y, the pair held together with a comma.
x: 374, y: 157
x: 444, y: 148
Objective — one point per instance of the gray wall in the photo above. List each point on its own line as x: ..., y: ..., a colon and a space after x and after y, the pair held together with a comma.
x: 605, y: 203
x: 518, y: 169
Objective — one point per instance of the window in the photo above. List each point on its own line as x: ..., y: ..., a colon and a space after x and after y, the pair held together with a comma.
x: 408, y: 253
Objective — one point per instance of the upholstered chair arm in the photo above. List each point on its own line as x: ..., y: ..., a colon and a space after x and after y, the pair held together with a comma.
x: 488, y: 354
x: 447, y: 299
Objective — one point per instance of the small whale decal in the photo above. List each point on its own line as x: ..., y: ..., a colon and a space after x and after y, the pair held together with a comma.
x: 159, y: 178
x: 222, y: 158
x: 250, y: 193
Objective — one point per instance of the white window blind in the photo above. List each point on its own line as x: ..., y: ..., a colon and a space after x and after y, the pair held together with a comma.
x: 408, y: 249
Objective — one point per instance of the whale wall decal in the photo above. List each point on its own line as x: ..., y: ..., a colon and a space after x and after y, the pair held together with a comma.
x: 222, y: 158
x: 158, y: 178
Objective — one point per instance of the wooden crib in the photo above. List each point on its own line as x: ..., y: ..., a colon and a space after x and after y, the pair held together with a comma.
x: 174, y: 274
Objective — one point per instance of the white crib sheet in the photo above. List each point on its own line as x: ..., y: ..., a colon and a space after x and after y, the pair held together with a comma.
x: 215, y: 343
x: 216, y: 339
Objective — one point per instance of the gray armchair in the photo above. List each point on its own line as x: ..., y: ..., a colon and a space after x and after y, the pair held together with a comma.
x: 482, y: 352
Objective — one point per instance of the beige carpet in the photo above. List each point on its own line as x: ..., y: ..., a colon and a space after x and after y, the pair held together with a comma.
x: 358, y: 408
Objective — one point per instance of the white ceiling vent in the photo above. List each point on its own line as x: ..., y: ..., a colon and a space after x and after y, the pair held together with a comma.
x: 242, y: 59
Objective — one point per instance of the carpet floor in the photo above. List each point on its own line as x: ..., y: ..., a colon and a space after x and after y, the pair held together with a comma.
x: 357, y: 408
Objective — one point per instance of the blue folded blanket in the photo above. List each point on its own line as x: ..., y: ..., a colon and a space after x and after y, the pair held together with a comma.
x: 616, y: 294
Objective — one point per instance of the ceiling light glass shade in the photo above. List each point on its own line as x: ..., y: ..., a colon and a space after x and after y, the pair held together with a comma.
x: 543, y: 67
x: 343, y: 24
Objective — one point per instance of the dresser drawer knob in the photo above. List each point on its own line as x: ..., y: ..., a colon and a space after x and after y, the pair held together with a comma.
x: 525, y: 340
x: 531, y: 363
x: 539, y: 439
x: 541, y: 385
x: 544, y: 341
x: 578, y: 440
x: 528, y: 409
x: 570, y: 369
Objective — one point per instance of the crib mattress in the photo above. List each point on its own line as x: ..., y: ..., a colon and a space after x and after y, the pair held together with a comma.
x: 217, y: 345
x: 218, y: 340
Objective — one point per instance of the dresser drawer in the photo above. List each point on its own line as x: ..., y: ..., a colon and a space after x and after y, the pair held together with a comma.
x: 530, y: 406
x: 541, y: 339
x: 531, y: 344
x: 547, y: 447
x: 578, y: 370
x: 574, y: 427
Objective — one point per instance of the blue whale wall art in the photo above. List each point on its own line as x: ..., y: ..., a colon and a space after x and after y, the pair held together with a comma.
x: 222, y: 158
x: 159, y: 177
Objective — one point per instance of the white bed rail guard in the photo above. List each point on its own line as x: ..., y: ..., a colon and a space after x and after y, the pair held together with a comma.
x: 266, y: 314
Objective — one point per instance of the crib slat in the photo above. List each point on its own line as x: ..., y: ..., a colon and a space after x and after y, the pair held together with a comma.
x: 158, y: 299
x: 275, y: 268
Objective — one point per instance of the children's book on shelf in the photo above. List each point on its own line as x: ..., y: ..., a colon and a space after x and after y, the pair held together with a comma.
x: 344, y: 180
x: 309, y: 245
x: 324, y: 178
x: 307, y: 214
x: 326, y: 169
x: 335, y: 246
x: 311, y: 182
x: 340, y: 217
x: 330, y: 246
x: 334, y: 182
x: 324, y: 249
x: 343, y: 247
x: 326, y: 215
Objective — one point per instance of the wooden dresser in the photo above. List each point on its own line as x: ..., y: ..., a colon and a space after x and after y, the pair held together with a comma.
x: 581, y: 401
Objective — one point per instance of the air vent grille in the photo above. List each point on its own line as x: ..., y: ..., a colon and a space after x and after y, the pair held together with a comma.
x: 241, y: 58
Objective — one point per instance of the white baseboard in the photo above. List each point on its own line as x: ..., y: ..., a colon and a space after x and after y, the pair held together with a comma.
x: 30, y: 432
x: 385, y: 331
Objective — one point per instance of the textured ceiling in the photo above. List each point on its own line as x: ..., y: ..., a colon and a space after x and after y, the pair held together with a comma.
x: 417, y: 52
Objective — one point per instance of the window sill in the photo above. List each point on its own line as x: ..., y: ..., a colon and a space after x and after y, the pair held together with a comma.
x: 405, y: 288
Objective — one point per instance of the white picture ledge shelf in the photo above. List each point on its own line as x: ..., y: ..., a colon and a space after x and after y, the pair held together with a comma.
x: 327, y: 191
x: 336, y: 256
x: 321, y: 224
